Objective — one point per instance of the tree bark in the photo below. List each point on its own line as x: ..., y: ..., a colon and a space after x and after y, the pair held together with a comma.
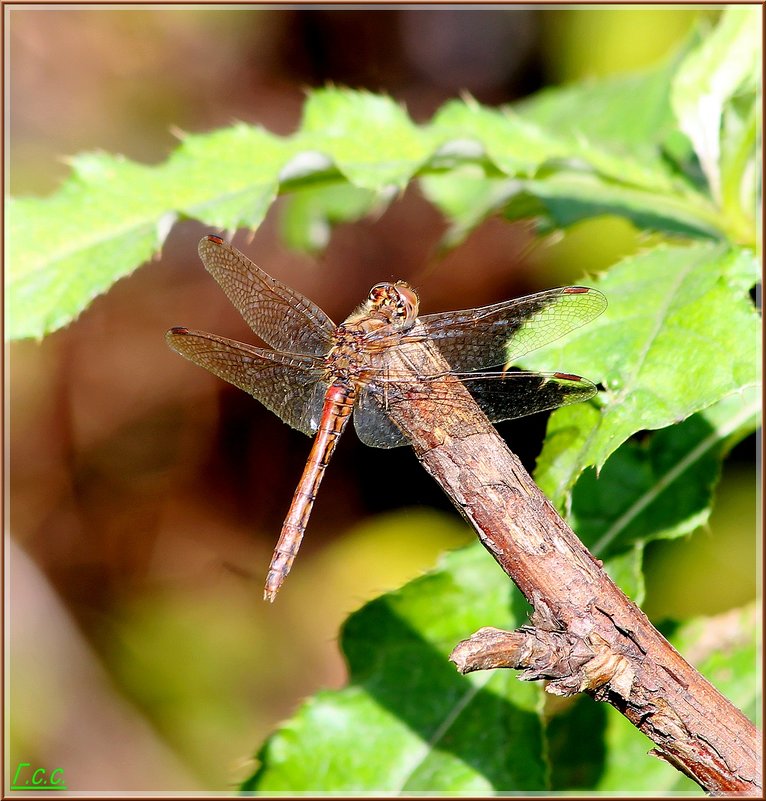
x: 586, y: 634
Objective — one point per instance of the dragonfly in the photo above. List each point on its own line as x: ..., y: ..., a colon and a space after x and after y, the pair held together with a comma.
x: 316, y: 375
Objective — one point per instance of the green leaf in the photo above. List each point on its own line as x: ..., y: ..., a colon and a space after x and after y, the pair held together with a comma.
x: 353, y: 149
x: 661, y: 487
x: 111, y: 215
x: 631, y: 112
x: 567, y: 197
x: 466, y: 196
x: 408, y: 721
x: 56, y: 267
x: 519, y: 147
x: 228, y: 178
x: 740, y: 150
x: 680, y: 334
x: 569, y: 154
x: 369, y: 137
x: 710, y: 75
x: 310, y: 212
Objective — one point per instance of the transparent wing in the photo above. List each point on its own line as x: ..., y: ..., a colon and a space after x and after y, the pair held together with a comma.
x: 282, y: 317
x: 501, y: 396
x: 373, y: 426
x: 474, y: 339
x: 289, y: 385
x: 506, y: 396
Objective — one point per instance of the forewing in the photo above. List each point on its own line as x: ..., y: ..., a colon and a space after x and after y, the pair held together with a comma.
x: 282, y: 317
x: 474, y: 339
x: 289, y: 385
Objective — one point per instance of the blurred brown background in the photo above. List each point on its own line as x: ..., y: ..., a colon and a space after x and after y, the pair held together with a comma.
x: 145, y: 495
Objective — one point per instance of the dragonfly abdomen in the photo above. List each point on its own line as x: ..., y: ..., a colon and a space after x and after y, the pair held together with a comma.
x: 336, y: 412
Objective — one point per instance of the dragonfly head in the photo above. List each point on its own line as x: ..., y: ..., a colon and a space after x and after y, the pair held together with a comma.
x: 398, y: 302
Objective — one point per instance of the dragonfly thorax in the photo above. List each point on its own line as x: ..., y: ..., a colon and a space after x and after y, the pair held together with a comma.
x: 348, y: 358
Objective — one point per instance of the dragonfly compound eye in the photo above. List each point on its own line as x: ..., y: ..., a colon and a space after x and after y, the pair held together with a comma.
x: 408, y: 300
x: 378, y: 294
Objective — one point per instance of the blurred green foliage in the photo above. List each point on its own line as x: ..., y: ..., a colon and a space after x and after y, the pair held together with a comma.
x: 618, y: 154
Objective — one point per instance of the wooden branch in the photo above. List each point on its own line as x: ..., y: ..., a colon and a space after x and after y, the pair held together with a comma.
x: 586, y: 635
